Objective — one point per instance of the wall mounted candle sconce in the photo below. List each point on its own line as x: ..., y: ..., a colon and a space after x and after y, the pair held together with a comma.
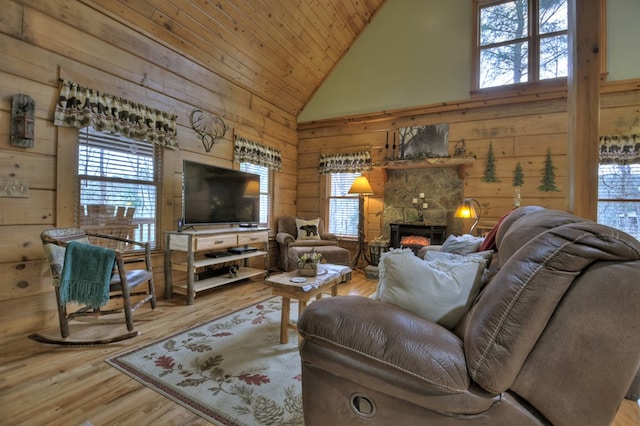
x: 420, y: 206
x: 22, y: 121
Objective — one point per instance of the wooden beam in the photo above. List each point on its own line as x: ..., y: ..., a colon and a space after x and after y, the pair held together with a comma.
x: 583, y: 106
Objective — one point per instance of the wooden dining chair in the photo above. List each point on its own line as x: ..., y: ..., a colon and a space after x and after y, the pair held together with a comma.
x: 122, y: 284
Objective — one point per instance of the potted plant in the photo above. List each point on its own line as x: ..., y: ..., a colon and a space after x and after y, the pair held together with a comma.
x: 308, y: 263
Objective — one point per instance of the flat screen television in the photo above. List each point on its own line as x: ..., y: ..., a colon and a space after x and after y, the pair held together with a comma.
x: 214, y: 195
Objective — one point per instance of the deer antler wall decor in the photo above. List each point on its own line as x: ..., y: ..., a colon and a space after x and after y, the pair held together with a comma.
x: 216, y: 130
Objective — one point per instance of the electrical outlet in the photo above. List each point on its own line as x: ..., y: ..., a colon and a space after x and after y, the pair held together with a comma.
x: 14, y: 188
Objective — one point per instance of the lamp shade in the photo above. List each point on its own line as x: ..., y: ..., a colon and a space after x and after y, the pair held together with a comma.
x: 252, y: 189
x: 467, y: 210
x: 361, y: 186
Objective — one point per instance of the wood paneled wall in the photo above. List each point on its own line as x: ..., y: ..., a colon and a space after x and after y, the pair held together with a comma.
x: 521, y: 129
x: 41, y: 42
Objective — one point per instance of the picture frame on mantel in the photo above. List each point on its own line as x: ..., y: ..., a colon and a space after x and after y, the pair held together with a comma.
x: 420, y: 142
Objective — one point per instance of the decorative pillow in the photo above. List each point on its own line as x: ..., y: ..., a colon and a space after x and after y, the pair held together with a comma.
x: 308, y: 229
x: 463, y: 244
x: 485, y: 255
x: 489, y: 242
x: 441, y: 255
x: 440, y: 290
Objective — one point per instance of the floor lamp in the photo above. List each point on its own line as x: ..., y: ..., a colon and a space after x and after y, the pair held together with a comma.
x: 362, y: 187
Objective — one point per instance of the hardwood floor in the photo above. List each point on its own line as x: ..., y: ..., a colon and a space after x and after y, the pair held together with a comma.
x: 54, y: 385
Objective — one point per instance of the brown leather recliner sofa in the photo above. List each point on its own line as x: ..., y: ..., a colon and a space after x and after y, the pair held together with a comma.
x: 553, y: 338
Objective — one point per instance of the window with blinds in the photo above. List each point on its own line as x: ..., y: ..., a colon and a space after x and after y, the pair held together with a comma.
x: 118, y: 185
x: 343, y: 207
x: 619, y: 197
x: 265, y: 188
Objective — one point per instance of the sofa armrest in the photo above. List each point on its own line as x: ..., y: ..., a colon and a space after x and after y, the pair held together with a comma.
x: 395, y: 346
x: 328, y: 236
x: 284, y: 238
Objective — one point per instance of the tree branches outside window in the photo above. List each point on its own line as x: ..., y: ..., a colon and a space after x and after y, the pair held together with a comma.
x: 521, y: 41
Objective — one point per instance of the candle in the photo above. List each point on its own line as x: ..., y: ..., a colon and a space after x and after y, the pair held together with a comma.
x: 415, y: 201
x: 422, y: 195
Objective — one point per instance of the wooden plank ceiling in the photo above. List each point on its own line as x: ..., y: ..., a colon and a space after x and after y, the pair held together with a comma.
x: 279, y: 50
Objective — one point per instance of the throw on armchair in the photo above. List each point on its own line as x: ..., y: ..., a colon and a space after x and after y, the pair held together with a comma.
x: 553, y: 338
x: 296, y: 236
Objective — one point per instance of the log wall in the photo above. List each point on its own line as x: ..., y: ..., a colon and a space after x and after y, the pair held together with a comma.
x: 521, y: 128
x: 41, y: 42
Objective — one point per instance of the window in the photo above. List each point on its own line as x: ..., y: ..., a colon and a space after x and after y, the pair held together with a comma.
x: 265, y: 188
x: 619, y: 197
x: 117, y: 175
x: 343, y: 207
x: 520, y: 41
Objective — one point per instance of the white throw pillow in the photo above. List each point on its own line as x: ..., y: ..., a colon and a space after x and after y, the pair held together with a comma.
x: 462, y: 244
x: 308, y: 229
x: 440, y: 290
x: 485, y: 255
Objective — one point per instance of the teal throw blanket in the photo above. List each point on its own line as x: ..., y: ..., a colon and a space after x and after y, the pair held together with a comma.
x: 86, y: 274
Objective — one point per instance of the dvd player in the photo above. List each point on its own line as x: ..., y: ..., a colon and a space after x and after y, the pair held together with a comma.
x: 216, y: 254
x: 240, y: 250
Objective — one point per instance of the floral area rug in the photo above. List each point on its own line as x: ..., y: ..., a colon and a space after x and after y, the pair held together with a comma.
x: 230, y: 371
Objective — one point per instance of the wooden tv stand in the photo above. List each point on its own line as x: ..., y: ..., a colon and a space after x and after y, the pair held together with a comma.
x: 186, y: 252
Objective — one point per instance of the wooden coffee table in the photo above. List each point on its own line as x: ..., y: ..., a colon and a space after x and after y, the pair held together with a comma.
x: 285, y: 285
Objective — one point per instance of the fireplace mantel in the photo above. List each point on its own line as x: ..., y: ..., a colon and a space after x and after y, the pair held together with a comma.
x: 459, y: 162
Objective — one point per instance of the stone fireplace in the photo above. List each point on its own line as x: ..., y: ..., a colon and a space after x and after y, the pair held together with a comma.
x: 442, y: 190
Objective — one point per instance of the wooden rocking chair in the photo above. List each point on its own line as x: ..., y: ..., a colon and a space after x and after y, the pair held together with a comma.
x: 123, y: 284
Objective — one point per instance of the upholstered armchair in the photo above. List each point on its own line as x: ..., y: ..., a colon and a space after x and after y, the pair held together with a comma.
x: 292, y: 244
x: 552, y: 338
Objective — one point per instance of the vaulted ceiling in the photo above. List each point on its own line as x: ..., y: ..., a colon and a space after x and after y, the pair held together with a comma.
x: 280, y: 50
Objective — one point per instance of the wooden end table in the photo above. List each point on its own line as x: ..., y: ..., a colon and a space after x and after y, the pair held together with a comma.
x: 284, y: 285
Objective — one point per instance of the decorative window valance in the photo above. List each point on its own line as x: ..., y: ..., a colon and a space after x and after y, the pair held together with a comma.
x: 81, y: 107
x: 353, y: 162
x: 247, y: 151
x: 620, y: 149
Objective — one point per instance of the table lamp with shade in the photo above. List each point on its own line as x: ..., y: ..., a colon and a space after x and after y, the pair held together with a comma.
x: 252, y: 189
x: 469, y: 209
x: 362, y: 187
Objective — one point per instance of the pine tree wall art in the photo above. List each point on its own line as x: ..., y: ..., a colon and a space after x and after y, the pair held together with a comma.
x: 548, y: 183
x: 490, y: 168
x: 518, y: 181
x: 518, y: 176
